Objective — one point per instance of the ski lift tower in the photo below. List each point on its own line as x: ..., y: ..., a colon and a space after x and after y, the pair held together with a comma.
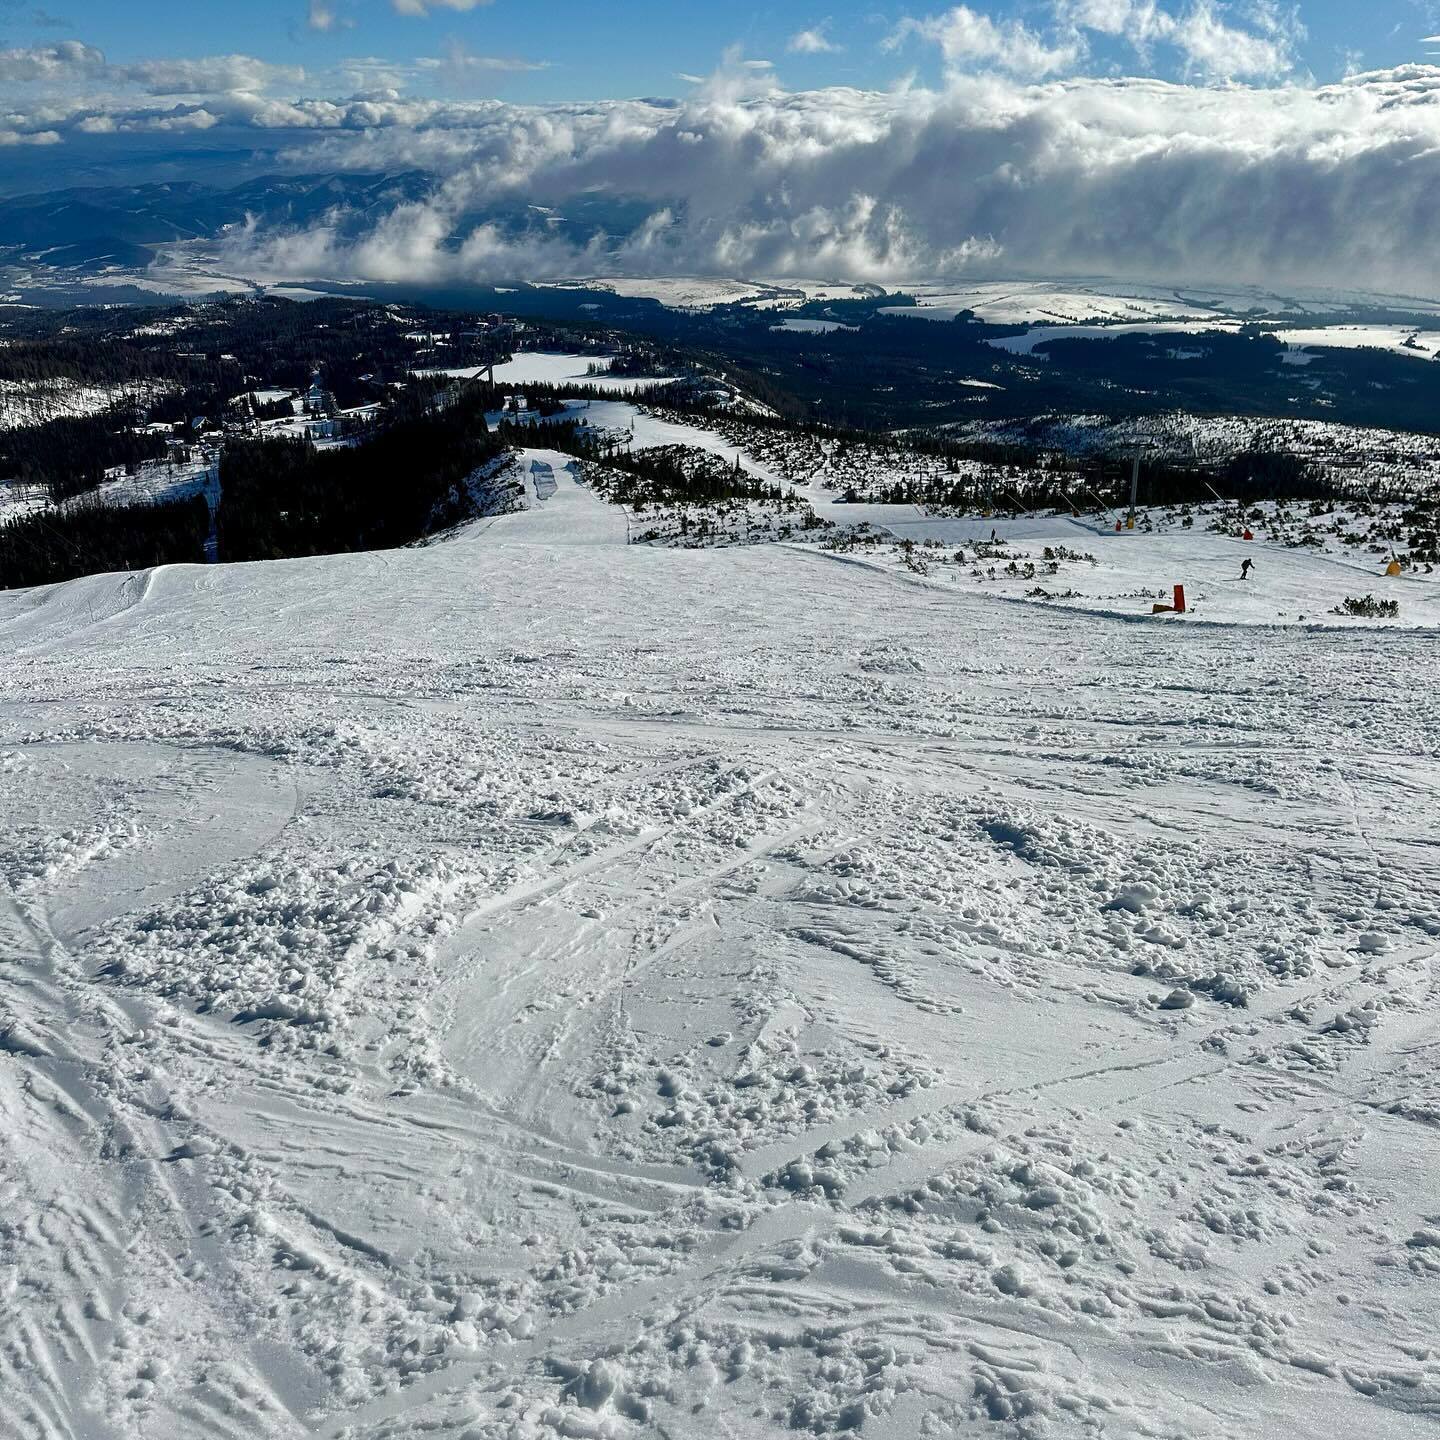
x: 1137, y: 449
x: 497, y: 348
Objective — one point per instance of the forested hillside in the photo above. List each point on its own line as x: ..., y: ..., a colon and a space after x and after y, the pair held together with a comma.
x: 284, y: 498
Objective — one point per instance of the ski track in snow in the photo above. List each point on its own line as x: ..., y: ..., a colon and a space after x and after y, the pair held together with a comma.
x: 531, y: 986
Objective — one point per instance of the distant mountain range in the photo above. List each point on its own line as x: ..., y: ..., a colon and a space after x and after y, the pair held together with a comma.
x: 100, y: 226
x: 92, y: 228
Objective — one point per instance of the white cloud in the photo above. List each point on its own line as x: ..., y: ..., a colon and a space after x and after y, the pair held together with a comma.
x: 815, y: 41
x: 461, y: 66
x: 424, y: 7
x: 177, y: 121
x: 323, y: 16
x: 967, y: 38
x: 1216, y: 48
x: 987, y: 172
x: 32, y: 137
x: 211, y: 75
x: 50, y: 64
x: 1337, y: 184
x: 1207, y: 43
x: 63, y: 67
x: 371, y: 74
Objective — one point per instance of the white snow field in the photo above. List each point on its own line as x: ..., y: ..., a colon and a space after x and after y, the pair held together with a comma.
x: 1108, y: 301
x: 524, y: 988
x: 533, y: 367
x: 1300, y: 342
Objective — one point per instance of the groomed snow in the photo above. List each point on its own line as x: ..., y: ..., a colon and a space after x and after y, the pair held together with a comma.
x: 526, y: 988
x: 559, y: 509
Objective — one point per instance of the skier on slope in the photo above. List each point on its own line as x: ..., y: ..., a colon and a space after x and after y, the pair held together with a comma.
x: 1245, y: 568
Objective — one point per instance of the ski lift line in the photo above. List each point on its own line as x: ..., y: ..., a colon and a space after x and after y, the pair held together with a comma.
x: 75, y: 548
x: 1099, y: 501
x: 30, y: 548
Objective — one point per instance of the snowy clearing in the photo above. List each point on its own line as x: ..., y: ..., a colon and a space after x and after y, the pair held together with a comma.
x: 1306, y: 564
x: 1083, y: 564
x: 535, y: 368
x: 1076, y: 302
x: 1300, y: 341
x: 523, y: 988
x: 700, y: 292
x: 1027, y: 343
x: 1396, y: 339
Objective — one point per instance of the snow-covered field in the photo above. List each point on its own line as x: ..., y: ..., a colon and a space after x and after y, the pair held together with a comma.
x: 1398, y: 464
x: 524, y: 988
x: 704, y: 292
x: 533, y: 367
x: 1300, y: 342
x: 1102, y: 301
x: 1020, y: 302
x: 1083, y: 564
x: 1397, y: 339
x: 1372, y: 456
x: 1043, y: 334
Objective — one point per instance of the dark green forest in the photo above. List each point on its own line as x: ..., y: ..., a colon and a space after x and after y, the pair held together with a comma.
x: 71, y: 454
x: 283, y: 498
x: 89, y: 539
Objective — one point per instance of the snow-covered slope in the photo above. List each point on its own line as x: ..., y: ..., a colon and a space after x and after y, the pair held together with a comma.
x: 522, y: 988
x: 559, y: 509
x: 1084, y: 564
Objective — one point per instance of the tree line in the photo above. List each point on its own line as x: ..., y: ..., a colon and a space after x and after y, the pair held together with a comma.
x: 87, y: 539
x: 279, y: 498
x: 282, y: 498
x: 70, y: 454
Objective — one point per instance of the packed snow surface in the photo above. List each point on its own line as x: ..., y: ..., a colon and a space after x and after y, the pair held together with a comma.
x: 534, y: 986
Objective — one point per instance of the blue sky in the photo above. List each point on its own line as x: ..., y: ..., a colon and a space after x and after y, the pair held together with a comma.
x: 606, y: 48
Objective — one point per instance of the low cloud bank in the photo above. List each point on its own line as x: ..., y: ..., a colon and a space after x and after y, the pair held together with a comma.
x: 984, y: 173
x: 1337, y: 185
